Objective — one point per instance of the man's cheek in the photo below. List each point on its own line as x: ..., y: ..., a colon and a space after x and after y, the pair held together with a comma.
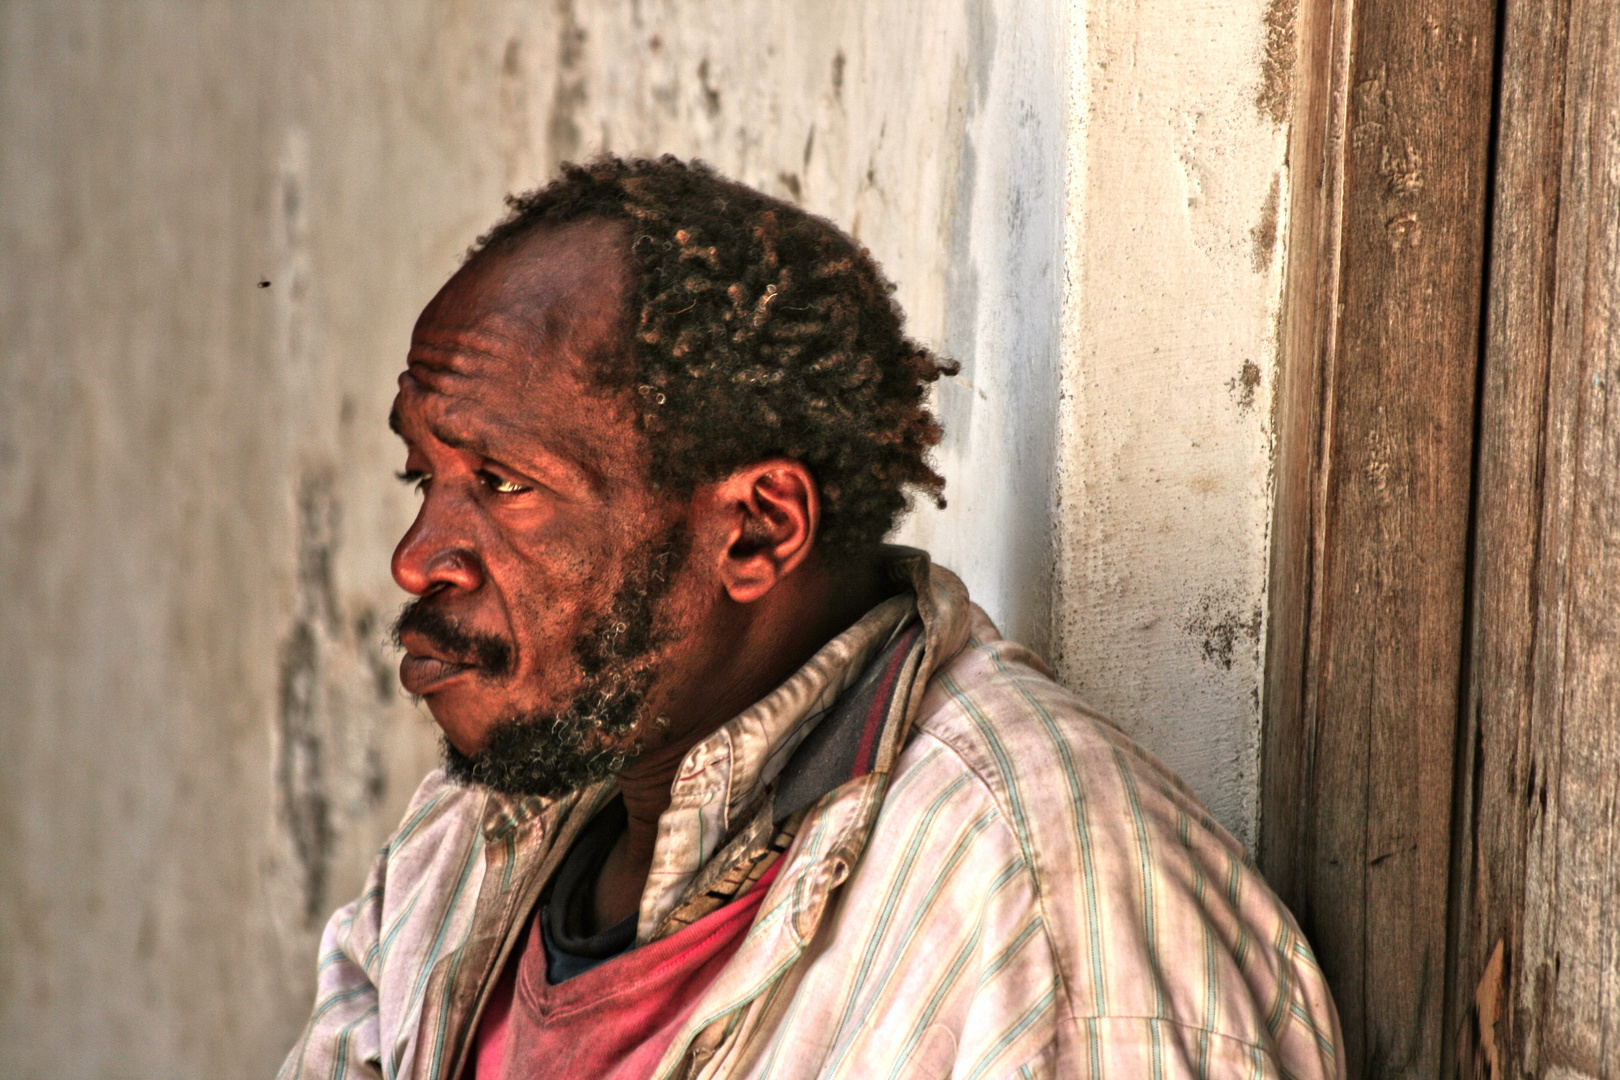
x: 555, y: 607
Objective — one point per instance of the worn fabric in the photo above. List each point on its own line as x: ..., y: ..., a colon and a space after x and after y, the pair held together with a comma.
x: 616, y: 1020
x: 569, y: 904
x: 1015, y: 889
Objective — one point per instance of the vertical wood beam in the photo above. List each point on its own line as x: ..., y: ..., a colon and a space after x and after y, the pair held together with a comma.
x: 1539, y: 844
x: 1357, y: 790
x: 1307, y: 338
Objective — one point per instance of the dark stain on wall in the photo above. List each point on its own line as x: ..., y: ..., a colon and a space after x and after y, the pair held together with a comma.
x: 1220, y: 630
x: 962, y: 285
x: 563, y: 136
x: 372, y: 636
x: 1244, y: 384
x: 1264, y: 233
x: 302, y: 771
x: 711, y: 93
x: 1277, y: 62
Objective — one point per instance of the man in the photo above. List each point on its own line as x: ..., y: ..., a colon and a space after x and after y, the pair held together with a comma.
x: 733, y: 790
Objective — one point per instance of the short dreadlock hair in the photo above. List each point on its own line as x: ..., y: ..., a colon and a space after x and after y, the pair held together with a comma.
x: 756, y: 330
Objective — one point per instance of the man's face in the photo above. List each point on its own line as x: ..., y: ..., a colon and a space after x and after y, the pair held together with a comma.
x: 542, y: 562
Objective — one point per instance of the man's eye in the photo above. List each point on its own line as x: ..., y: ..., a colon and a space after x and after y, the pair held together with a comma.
x: 416, y: 478
x: 500, y: 485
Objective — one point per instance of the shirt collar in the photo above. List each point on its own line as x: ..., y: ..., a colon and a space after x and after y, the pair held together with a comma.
x: 723, y: 775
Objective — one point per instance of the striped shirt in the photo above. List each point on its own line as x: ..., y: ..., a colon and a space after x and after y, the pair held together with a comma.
x: 1007, y: 887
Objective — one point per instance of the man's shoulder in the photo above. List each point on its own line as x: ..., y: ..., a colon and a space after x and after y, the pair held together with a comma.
x: 1135, y: 883
x: 1034, y: 743
x: 1076, y: 790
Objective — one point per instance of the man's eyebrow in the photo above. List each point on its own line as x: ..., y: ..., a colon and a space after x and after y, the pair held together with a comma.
x: 575, y: 469
x: 471, y: 443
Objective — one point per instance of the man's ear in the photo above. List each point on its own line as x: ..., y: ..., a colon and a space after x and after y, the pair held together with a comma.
x: 772, y: 512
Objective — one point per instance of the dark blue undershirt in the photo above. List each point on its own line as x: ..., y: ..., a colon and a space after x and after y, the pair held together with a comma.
x: 569, y: 910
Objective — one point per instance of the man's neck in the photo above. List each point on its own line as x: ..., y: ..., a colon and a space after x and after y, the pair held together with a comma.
x: 776, y: 640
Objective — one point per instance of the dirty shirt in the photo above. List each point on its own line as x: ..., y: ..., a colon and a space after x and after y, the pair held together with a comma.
x: 992, y: 882
x: 614, y: 1020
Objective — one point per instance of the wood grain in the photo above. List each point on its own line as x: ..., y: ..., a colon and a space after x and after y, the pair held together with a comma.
x: 1361, y: 730
x: 1308, y: 336
x: 1539, y: 845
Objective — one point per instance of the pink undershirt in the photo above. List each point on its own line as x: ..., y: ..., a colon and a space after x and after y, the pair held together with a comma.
x: 615, y: 1021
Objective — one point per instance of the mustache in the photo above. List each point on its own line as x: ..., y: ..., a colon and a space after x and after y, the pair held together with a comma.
x: 489, y: 653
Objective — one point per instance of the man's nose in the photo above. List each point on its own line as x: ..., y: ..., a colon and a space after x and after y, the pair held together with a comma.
x: 431, y: 556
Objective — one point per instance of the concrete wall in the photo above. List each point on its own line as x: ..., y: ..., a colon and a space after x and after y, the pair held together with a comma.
x: 1176, y: 218
x: 200, y: 738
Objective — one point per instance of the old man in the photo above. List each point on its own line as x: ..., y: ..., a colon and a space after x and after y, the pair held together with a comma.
x: 732, y: 789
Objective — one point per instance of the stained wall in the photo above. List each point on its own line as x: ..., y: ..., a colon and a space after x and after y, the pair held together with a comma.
x: 218, y: 223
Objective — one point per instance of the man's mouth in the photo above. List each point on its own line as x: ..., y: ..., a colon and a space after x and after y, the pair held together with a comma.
x: 438, y: 649
x: 423, y: 675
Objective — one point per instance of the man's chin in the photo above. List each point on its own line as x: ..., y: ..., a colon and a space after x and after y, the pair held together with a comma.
x: 535, y: 757
x: 465, y: 715
x: 474, y: 770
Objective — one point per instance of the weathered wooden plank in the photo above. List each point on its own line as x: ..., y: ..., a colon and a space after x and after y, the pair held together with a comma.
x: 1511, y: 467
x: 1307, y: 336
x: 1359, y: 780
x: 1540, y: 848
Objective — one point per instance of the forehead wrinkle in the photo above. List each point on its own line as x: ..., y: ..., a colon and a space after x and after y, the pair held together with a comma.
x: 528, y: 350
x: 433, y: 365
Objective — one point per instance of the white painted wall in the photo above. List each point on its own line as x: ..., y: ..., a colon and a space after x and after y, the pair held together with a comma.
x: 200, y: 744
x: 1176, y: 197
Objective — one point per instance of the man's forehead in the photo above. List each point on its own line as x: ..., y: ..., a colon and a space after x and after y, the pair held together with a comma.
x: 556, y: 295
x: 442, y: 355
x: 467, y: 402
x: 582, y: 264
x: 425, y: 407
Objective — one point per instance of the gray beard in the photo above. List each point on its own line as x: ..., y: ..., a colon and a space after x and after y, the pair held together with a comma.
x: 549, y: 752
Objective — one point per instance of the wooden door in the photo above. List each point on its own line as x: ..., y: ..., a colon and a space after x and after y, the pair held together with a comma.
x: 1536, y: 979
x: 1442, y: 742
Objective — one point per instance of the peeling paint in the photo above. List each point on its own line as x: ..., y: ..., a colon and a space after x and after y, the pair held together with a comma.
x: 1379, y: 127
x: 1404, y: 231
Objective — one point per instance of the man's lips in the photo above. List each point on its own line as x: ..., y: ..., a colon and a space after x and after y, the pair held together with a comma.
x: 422, y: 675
